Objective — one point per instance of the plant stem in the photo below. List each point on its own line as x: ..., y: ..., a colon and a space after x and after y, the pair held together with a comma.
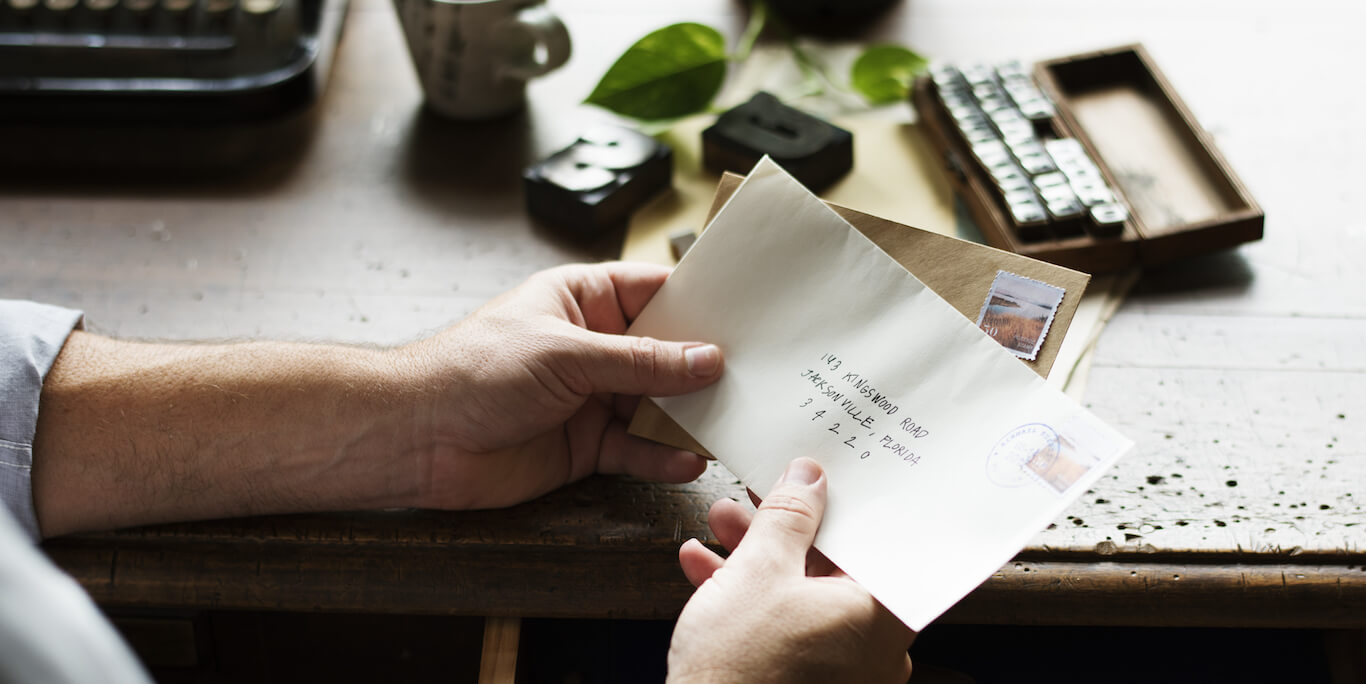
x: 758, y: 16
x: 813, y: 73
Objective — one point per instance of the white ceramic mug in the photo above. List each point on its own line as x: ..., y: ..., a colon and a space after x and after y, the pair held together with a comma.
x: 474, y: 57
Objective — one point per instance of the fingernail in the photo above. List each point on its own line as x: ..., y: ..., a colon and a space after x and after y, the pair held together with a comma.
x: 802, y: 471
x: 703, y: 359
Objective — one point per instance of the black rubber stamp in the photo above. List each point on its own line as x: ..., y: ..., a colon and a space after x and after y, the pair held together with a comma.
x: 593, y: 185
x: 813, y: 151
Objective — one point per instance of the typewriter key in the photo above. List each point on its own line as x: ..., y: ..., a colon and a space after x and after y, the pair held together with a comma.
x: 1016, y: 184
x: 1016, y: 132
x: 1021, y: 89
x: 967, y: 117
x: 1011, y: 68
x: 1080, y: 170
x: 945, y: 76
x: 977, y: 74
x: 1037, y: 109
x: 1031, y: 219
x: 1036, y: 164
x: 1027, y: 147
x: 1010, y: 175
x: 965, y: 113
x: 993, y: 161
x: 1003, y: 166
x: 994, y: 104
x: 1066, y: 209
x: 1109, y: 218
x: 1113, y: 212
x: 1048, y: 180
x: 991, y: 152
x: 983, y: 91
x: 1093, y: 194
x: 977, y: 130
x: 1005, y: 116
x: 1064, y: 149
x: 980, y: 135
x: 953, y: 98
x: 1057, y: 193
x: 1020, y: 196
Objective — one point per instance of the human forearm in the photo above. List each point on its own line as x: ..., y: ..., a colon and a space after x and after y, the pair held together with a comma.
x: 133, y: 433
x: 528, y: 394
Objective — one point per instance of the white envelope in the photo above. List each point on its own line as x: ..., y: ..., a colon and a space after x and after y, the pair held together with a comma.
x: 944, y: 453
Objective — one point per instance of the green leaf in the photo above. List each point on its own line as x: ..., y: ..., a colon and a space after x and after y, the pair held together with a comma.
x: 670, y: 73
x: 883, y: 73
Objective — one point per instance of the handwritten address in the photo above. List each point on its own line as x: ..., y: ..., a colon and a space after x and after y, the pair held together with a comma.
x: 847, y: 404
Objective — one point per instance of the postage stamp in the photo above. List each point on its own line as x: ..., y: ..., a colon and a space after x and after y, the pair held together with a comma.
x: 1025, y: 444
x: 1056, y: 458
x: 1018, y: 312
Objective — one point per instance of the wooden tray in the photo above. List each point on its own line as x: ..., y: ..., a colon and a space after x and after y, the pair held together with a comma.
x: 1183, y: 197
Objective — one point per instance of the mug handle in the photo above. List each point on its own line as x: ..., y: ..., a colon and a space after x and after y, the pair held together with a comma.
x: 551, y: 41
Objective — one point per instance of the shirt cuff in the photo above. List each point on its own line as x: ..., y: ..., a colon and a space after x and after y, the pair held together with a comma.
x: 31, y: 336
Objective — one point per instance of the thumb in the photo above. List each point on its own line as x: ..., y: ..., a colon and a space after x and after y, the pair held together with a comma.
x: 785, y: 525
x: 625, y: 364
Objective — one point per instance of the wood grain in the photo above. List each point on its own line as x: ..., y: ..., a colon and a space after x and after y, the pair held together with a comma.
x: 498, y: 660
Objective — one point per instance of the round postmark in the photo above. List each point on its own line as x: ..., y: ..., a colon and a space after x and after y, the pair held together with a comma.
x: 1033, y: 445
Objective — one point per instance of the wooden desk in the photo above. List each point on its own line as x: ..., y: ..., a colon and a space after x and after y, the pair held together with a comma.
x: 1240, y: 376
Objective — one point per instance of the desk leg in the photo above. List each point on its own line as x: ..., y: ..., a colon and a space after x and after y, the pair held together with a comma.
x: 1346, y: 655
x: 498, y: 662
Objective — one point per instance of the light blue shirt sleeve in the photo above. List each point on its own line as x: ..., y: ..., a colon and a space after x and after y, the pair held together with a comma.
x: 50, y: 631
x: 31, y: 336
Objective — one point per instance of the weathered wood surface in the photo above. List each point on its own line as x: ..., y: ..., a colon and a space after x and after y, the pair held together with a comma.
x: 382, y: 224
x: 608, y: 548
x: 604, y: 547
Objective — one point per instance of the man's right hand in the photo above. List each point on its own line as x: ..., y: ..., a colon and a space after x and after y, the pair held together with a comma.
x: 777, y: 610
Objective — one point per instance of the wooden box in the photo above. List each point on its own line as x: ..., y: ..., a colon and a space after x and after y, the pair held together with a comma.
x: 1183, y: 198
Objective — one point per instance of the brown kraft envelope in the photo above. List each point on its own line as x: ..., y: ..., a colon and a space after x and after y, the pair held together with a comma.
x: 959, y: 271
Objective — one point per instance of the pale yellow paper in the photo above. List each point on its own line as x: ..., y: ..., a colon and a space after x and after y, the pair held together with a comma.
x: 946, y: 475
x: 893, y: 177
x: 896, y: 175
x: 1103, y: 298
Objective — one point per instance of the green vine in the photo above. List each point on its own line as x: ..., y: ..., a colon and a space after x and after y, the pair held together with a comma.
x: 677, y: 71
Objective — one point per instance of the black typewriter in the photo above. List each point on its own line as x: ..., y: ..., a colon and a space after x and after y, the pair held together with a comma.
x: 147, y: 60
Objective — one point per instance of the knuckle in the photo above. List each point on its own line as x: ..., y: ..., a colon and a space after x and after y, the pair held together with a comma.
x: 792, y: 510
x: 550, y: 277
x: 567, y: 362
x: 646, y: 357
x: 562, y: 272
